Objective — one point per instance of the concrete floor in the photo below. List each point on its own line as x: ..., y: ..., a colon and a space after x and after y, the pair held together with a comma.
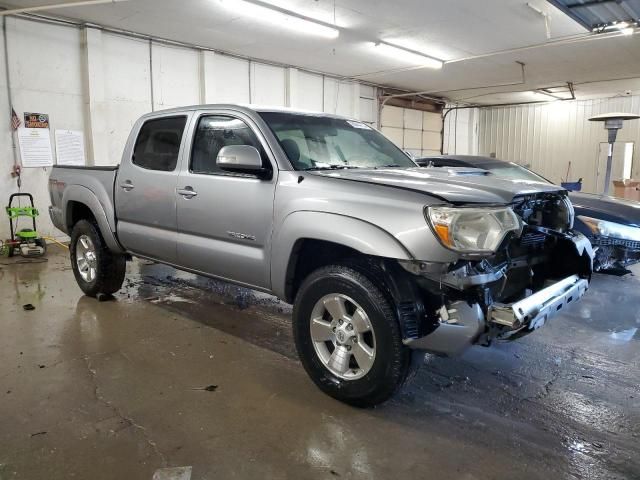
x: 117, y: 389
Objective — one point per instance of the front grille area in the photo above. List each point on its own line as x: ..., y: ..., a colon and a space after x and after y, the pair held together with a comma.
x: 532, y: 239
x: 616, y: 242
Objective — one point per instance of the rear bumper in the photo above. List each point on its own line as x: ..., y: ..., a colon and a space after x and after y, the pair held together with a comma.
x: 533, y: 311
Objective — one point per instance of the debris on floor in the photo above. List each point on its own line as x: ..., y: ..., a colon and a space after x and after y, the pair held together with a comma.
x: 173, y: 473
x: 28, y: 307
x: 208, y: 388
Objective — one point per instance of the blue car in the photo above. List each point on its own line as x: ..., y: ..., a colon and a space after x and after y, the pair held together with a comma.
x: 611, y: 224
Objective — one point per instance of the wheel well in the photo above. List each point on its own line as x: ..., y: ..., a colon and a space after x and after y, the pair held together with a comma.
x: 77, y: 211
x: 308, y: 255
x: 401, y: 288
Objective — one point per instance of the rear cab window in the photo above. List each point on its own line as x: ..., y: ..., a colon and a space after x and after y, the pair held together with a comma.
x: 158, y: 143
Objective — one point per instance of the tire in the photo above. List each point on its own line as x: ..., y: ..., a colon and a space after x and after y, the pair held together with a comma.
x: 393, y: 363
x: 108, y: 267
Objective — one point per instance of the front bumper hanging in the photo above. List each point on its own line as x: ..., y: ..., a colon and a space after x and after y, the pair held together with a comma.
x: 533, y: 311
x: 466, y: 323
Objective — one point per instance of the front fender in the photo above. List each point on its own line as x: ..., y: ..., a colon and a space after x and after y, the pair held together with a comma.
x: 80, y: 194
x: 350, y: 232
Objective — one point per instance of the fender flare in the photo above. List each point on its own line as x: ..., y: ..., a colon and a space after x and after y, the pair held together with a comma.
x: 355, y: 233
x: 83, y: 195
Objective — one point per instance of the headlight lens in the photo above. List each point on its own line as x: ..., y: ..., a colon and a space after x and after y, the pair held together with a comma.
x: 472, y: 230
x: 611, y: 229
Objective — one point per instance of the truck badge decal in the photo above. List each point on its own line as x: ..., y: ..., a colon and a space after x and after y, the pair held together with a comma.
x: 242, y: 236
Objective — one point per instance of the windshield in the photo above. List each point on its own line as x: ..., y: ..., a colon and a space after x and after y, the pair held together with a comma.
x: 319, y: 143
x: 513, y: 171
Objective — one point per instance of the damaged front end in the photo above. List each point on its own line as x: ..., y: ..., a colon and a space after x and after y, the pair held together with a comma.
x: 537, y: 269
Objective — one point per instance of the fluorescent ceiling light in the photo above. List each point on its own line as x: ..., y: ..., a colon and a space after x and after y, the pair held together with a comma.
x: 279, y: 17
x: 406, y: 55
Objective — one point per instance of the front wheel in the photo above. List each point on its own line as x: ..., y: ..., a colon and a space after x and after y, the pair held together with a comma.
x: 348, y: 337
x: 96, y: 268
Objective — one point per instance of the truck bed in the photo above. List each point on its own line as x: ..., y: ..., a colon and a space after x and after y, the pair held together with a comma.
x: 99, y: 181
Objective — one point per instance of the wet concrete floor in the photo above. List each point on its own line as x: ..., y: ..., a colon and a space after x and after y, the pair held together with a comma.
x: 180, y: 371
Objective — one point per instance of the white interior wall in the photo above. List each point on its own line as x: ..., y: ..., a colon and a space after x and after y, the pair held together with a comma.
x: 100, y: 83
x: 176, y: 76
x: 46, y: 77
x: 225, y: 79
x: 268, y: 84
x: 341, y: 97
x: 306, y: 90
x: 127, y: 92
x: 547, y: 137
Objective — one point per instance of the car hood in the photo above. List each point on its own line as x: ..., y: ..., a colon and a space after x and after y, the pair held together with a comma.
x: 455, y: 185
x: 619, y: 210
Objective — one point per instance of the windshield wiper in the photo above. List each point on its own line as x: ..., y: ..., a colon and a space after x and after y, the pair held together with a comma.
x: 387, y: 166
x: 330, y: 167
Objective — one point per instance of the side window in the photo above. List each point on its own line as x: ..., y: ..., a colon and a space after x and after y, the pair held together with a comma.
x: 217, y: 131
x: 158, y: 144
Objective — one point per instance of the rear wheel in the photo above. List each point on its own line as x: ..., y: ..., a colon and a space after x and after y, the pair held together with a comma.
x: 96, y: 268
x: 348, y: 337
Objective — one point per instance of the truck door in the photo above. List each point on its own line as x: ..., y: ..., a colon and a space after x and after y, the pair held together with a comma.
x: 145, y: 190
x: 225, y: 218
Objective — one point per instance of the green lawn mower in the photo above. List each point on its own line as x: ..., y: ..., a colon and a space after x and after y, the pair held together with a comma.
x: 26, y: 242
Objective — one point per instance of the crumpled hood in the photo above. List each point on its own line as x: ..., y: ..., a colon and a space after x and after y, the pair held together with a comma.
x: 455, y: 184
x: 611, y: 209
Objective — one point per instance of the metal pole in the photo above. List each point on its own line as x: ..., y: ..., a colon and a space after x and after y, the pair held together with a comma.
x: 613, y: 133
x: 607, y: 175
x: 9, y: 94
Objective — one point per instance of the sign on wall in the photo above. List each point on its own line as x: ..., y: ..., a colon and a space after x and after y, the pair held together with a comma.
x: 36, y: 120
x: 35, y: 147
x: 70, y: 147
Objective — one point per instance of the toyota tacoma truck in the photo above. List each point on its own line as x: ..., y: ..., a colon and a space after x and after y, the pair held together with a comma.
x: 382, y: 260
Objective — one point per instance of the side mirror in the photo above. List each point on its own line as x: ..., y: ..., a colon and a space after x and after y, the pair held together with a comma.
x: 242, y: 159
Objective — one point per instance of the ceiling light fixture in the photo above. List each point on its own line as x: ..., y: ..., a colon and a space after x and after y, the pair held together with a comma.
x: 406, y: 55
x: 265, y: 12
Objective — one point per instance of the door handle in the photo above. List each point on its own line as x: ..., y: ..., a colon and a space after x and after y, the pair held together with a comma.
x: 127, y: 185
x: 187, y: 192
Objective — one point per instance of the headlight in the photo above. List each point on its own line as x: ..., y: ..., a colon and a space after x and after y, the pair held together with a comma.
x: 611, y: 229
x: 472, y: 230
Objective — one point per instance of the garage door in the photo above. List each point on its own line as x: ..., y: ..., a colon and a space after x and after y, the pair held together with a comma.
x: 414, y: 131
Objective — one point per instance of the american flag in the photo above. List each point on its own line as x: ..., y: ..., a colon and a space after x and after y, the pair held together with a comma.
x: 15, y: 120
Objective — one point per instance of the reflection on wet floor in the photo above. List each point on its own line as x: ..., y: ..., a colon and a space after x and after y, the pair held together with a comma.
x: 129, y: 374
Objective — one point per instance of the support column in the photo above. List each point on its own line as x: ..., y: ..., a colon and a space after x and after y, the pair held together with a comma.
x: 355, y: 108
x: 291, y: 93
x: 94, y: 99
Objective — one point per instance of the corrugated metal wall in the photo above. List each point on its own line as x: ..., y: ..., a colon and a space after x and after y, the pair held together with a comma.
x: 547, y: 137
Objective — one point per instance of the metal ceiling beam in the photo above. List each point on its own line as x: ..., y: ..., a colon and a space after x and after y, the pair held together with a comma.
x: 591, y: 3
x: 38, y: 8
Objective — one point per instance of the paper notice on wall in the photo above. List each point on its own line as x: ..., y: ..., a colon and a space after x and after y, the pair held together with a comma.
x: 70, y: 147
x: 35, y: 147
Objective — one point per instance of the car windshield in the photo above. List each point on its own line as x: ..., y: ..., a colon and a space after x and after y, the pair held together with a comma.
x: 314, y: 142
x: 513, y: 171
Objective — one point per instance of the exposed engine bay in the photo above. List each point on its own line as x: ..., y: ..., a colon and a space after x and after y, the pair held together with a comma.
x: 546, y: 256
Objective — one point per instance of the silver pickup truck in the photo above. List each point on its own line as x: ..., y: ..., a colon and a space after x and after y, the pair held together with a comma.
x: 382, y: 260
